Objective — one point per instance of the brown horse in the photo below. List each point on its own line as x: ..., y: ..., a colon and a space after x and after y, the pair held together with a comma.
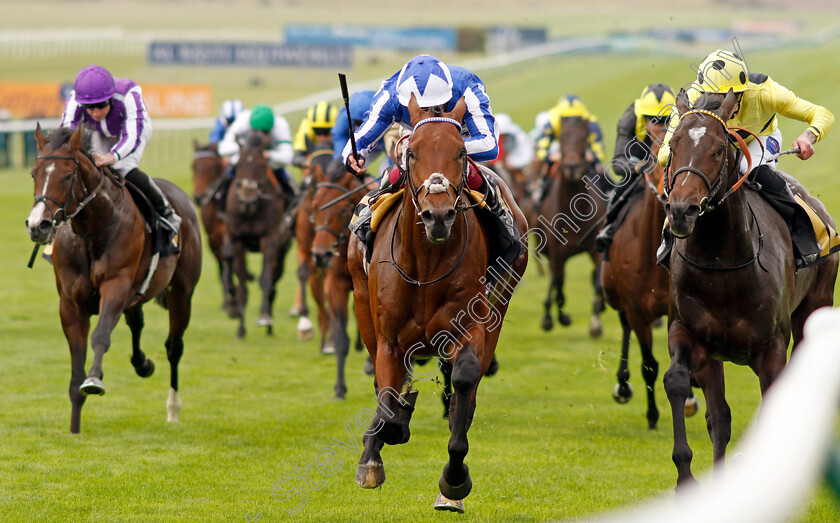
x: 570, y: 209
x: 336, y: 194
x: 634, y: 285
x: 256, y: 208
x: 422, y: 296
x: 102, y: 261
x: 208, y: 176
x: 307, y: 273
x: 735, y: 292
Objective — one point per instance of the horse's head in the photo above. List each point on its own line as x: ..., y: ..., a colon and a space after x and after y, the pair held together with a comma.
x: 701, y: 160
x: 252, y: 182
x: 331, y: 215
x: 59, y: 184
x: 207, y: 168
x: 574, y: 132
x: 436, y: 165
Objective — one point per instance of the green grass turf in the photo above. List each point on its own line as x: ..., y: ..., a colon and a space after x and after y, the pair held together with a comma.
x: 548, y: 442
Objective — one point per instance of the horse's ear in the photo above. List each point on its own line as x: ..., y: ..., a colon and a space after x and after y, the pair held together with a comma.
x: 682, y: 103
x: 730, y: 102
x: 459, y: 111
x: 76, y: 140
x: 414, y: 110
x: 40, y: 139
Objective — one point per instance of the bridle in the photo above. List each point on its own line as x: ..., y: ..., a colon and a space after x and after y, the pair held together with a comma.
x: 81, y: 202
x: 204, y: 198
x: 707, y: 203
x: 414, y: 192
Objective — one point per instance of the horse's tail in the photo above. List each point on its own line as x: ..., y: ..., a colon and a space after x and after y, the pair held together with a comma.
x: 161, y: 300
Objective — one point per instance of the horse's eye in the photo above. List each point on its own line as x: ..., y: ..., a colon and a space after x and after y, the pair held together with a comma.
x: 721, y: 150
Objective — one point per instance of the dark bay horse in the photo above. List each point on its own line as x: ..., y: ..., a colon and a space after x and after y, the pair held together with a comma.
x: 336, y: 194
x: 571, y: 206
x: 102, y: 258
x: 422, y: 296
x: 307, y: 273
x: 208, y: 176
x: 634, y: 285
x: 735, y: 292
x: 255, y: 209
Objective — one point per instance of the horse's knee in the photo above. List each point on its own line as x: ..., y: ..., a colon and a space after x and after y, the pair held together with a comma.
x: 677, y: 382
x: 466, y: 371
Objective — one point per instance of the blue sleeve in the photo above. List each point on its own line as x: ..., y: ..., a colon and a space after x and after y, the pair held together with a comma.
x: 479, y: 121
x: 340, y: 133
x: 218, y: 132
x: 383, y: 112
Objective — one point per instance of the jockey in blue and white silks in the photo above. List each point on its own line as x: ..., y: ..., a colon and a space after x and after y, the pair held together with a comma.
x: 434, y: 84
x: 360, y: 102
x: 230, y: 110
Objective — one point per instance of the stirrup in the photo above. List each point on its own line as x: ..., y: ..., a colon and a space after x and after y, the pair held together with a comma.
x: 173, y: 222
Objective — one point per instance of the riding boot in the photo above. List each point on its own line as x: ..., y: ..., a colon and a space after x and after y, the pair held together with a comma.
x: 167, y: 214
x: 616, y: 204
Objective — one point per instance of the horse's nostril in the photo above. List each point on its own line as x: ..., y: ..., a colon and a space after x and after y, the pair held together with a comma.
x: 693, y: 211
x: 45, y: 225
x: 426, y: 216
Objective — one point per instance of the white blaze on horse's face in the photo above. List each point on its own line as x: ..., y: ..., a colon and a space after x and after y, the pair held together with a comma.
x: 38, y: 212
x: 436, y: 183
x: 696, y: 134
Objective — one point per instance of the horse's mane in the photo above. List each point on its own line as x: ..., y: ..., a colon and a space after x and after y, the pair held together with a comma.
x: 708, y: 101
x: 61, y: 135
x: 254, y: 140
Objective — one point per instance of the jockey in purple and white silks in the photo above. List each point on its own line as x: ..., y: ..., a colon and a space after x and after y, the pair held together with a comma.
x: 113, y: 109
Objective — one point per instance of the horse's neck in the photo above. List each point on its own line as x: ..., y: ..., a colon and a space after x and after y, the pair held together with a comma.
x: 102, y: 209
x: 727, y: 230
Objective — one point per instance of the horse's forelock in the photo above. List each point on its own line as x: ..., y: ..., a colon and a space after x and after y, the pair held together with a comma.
x: 709, y: 101
x: 61, y: 135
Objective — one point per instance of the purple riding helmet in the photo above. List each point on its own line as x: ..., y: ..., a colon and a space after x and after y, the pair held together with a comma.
x: 93, y: 84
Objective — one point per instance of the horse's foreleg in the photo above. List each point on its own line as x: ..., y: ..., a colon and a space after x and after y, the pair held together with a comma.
x: 455, y: 482
x: 339, y: 290
x: 559, y: 279
x: 114, y: 294
x: 446, y: 395
x: 595, y: 327
x: 677, y: 382
x: 143, y: 366
x: 718, y: 415
x: 304, y: 325
x: 623, y: 392
x: 76, y: 327
x: 650, y: 370
x: 180, y: 309
x: 268, y: 248
x: 317, y: 284
x: 241, y: 270
x: 227, y: 255
x: 547, y: 322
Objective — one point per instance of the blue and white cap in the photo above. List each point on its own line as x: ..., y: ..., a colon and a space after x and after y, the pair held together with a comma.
x: 427, y: 78
x: 231, y: 109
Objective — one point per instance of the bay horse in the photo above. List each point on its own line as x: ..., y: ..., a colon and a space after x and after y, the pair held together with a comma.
x: 337, y: 192
x: 421, y: 296
x: 571, y: 206
x: 208, y: 176
x: 735, y: 292
x: 634, y: 284
x: 307, y: 273
x: 255, y: 212
x: 102, y: 256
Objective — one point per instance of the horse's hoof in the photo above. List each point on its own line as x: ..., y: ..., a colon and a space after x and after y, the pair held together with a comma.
x: 493, y: 368
x: 294, y: 312
x: 547, y: 323
x: 264, y: 320
x: 92, y: 386
x: 564, y: 319
x: 622, y: 393
x: 370, y: 474
x: 340, y: 393
x: 690, y: 407
x: 595, y: 329
x: 455, y: 491
x: 232, y: 311
x: 369, y: 370
x: 146, y: 369
x: 452, y: 505
x: 240, y: 332
x: 327, y: 349
x: 305, y: 329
